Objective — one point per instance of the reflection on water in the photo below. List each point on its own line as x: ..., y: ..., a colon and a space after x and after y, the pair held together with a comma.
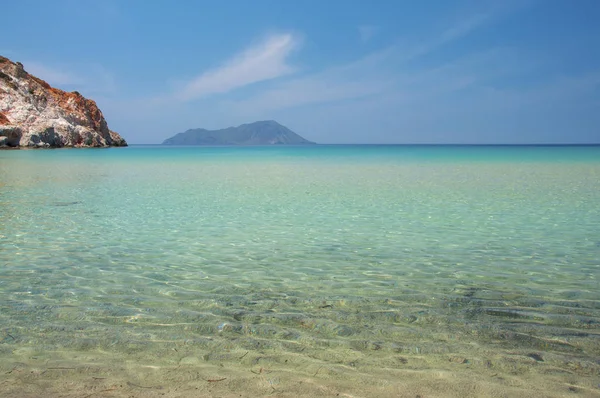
x: 147, y: 272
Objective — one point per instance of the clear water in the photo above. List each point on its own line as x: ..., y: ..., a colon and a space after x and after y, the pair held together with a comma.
x: 300, y: 271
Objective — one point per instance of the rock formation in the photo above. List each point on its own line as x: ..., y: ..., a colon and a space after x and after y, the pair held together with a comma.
x: 34, y: 114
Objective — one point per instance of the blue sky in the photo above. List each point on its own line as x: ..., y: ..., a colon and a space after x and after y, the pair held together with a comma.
x: 334, y: 71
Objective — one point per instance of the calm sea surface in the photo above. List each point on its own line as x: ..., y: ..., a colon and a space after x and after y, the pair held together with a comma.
x: 300, y: 271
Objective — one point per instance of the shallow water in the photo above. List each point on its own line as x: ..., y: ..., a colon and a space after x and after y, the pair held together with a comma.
x: 315, y: 271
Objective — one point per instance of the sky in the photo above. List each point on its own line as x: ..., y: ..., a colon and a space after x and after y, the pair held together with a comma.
x: 333, y: 71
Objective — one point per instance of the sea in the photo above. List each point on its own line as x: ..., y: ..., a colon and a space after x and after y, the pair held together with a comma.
x: 313, y: 271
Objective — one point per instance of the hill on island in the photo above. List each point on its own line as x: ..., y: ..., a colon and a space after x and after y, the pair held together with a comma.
x: 258, y: 133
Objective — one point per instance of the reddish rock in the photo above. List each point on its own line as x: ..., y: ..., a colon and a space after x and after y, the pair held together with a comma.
x: 3, y: 119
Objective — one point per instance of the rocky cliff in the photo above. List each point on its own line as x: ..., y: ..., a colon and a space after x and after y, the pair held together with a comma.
x: 34, y: 114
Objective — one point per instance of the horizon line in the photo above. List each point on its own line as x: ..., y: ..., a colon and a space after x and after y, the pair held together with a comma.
x: 379, y: 144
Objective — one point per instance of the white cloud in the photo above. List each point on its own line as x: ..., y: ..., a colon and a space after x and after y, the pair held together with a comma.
x: 265, y: 61
x: 345, y: 82
x: 374, y: 74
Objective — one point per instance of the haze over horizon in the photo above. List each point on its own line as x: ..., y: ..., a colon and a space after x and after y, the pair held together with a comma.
x: 394, y: 72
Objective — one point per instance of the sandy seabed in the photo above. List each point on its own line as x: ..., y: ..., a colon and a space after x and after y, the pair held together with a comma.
x: 187, y: 372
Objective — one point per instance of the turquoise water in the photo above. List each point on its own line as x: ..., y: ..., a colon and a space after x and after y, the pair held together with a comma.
x: 316, y: 271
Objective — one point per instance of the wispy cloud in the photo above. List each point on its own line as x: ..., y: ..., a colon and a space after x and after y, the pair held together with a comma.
x: 366, y: 32
x: 345, y: 82
x: 265, y: 61
x: 375, y: 73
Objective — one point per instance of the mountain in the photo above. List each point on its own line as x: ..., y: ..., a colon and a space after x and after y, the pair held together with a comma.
x: 258, y: 133
x: 34, y: 114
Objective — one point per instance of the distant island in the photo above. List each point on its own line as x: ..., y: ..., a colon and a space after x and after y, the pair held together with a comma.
x: 258, y: 133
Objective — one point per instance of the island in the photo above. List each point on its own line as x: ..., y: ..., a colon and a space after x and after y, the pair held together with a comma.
x: 267, y: 132
x: 35, y: 115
